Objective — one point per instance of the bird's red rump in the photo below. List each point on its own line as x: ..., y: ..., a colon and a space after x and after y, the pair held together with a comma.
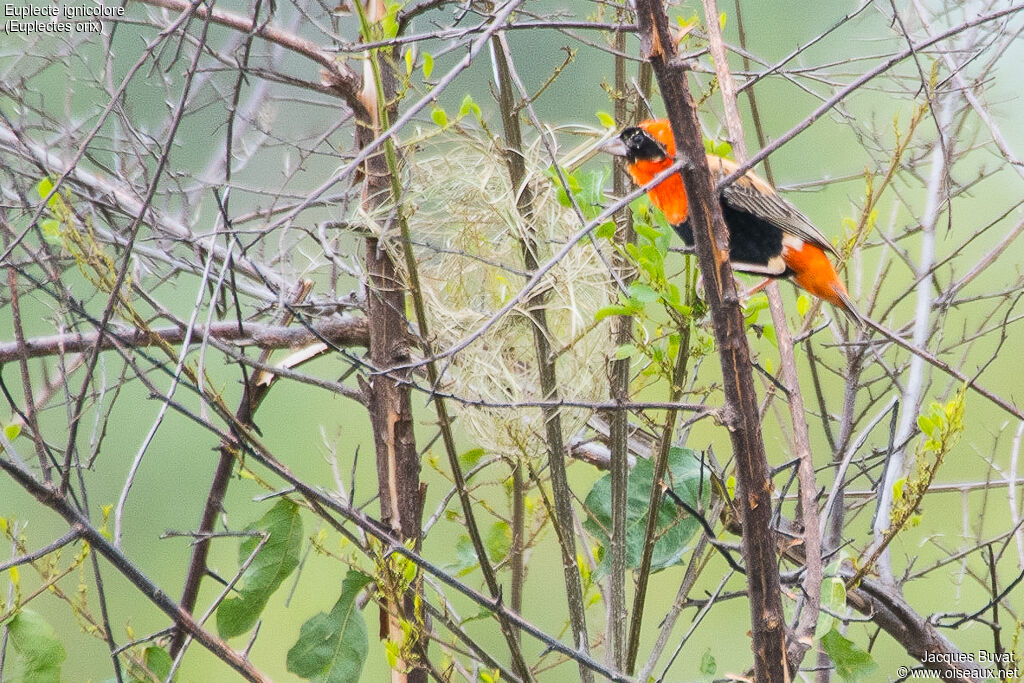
x: 814, y: 272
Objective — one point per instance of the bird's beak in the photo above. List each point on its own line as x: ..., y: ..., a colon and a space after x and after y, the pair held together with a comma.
x: 615, y: 146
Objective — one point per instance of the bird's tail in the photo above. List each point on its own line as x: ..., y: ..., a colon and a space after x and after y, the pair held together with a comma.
x: 844, y: 303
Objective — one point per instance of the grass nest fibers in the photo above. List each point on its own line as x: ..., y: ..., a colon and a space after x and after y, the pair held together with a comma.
x: 469, y: 238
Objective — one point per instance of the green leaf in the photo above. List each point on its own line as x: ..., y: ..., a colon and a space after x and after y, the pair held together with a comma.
x: 469, y: 105
x: 45, y: 188
x: 12, y: 431
x: 648, y: 232
x: 591, y: 193
x: 471, y: 457
x: 428, y: 65
x: 498, y: 540
x: 675, y: 526
x: 605, y: 231
x: 852, y: 663
x: 51, y: 230
x: 158, y: 661
x: 408, y: 61
x: 614, y: 309
x: 40, y: 652
x: 708, y: 665
x: 803, y: 304
x: 833, y: 599
x: 278, y: 558
x: 465, y: 557
x: 625, y: 351
x: 439, y: 116
x: 925, y: 424
x: 332, y: 647
x: 643, y: 293
x: 717, y: 148
x: 606, y: 119
x: 389, y: 24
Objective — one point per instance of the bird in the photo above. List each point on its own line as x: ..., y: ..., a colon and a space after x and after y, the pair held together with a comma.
x: 767, y: 235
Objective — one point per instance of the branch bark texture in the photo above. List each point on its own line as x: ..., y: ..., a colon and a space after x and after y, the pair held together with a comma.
x: 741, y: 415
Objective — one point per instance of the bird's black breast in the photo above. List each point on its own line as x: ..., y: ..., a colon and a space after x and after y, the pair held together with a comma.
x: 751, y: 240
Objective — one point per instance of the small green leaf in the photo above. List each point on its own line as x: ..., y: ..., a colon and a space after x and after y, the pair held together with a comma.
x: 158, y: 661
x: 897, y: 489
x: 708, y: 665
x: 925, y: 424
x: 803, y: 304
x: 721, y: 21
x: 606, y: 119
x: 643, y: 293
x: 465, y: 557
x: 389, y: 24
x: 392, y: 651
x: 471, y: 457
x: 278, y: 558
x: 718, y: 148
x: 40, y: 652
x: 45, y: 187
x: 852, y: 663
x: 408, y: 61
x: 647, y: 232
x: 428, y: 65
x: 614, y: 309
x: 498, y: 540
x: 591, y: 188
x: 605, y: 231
x: 625, y: 351
x: 833, y: 599
x: 12, y: 431
x: 439, y: 116
x: 332, y: 648
x: 51, y: 230
x: 469, y: 105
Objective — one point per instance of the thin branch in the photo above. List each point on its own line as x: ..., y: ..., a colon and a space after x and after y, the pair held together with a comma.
x: 343, y: 332
x: 52, y: 498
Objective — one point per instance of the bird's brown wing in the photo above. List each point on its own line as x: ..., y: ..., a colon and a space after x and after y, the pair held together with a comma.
x: 751, y: 194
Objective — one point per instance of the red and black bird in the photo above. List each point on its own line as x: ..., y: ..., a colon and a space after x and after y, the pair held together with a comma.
x: 767, y: 235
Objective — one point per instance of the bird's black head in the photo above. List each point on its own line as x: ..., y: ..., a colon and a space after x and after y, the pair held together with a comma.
x: 636, y: 144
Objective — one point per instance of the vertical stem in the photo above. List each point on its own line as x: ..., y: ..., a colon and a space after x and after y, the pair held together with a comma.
x: 535, y: 307
x: 388, y: 389
x: 618, y: 420
x: 518, y: 549
x: 922, y: 320
x: 807, y: 503
x: 26, y: 380
x: 754, y: 490
x: 660, y: 466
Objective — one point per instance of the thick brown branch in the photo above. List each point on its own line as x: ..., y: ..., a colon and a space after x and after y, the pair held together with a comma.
x: 711, y: 241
